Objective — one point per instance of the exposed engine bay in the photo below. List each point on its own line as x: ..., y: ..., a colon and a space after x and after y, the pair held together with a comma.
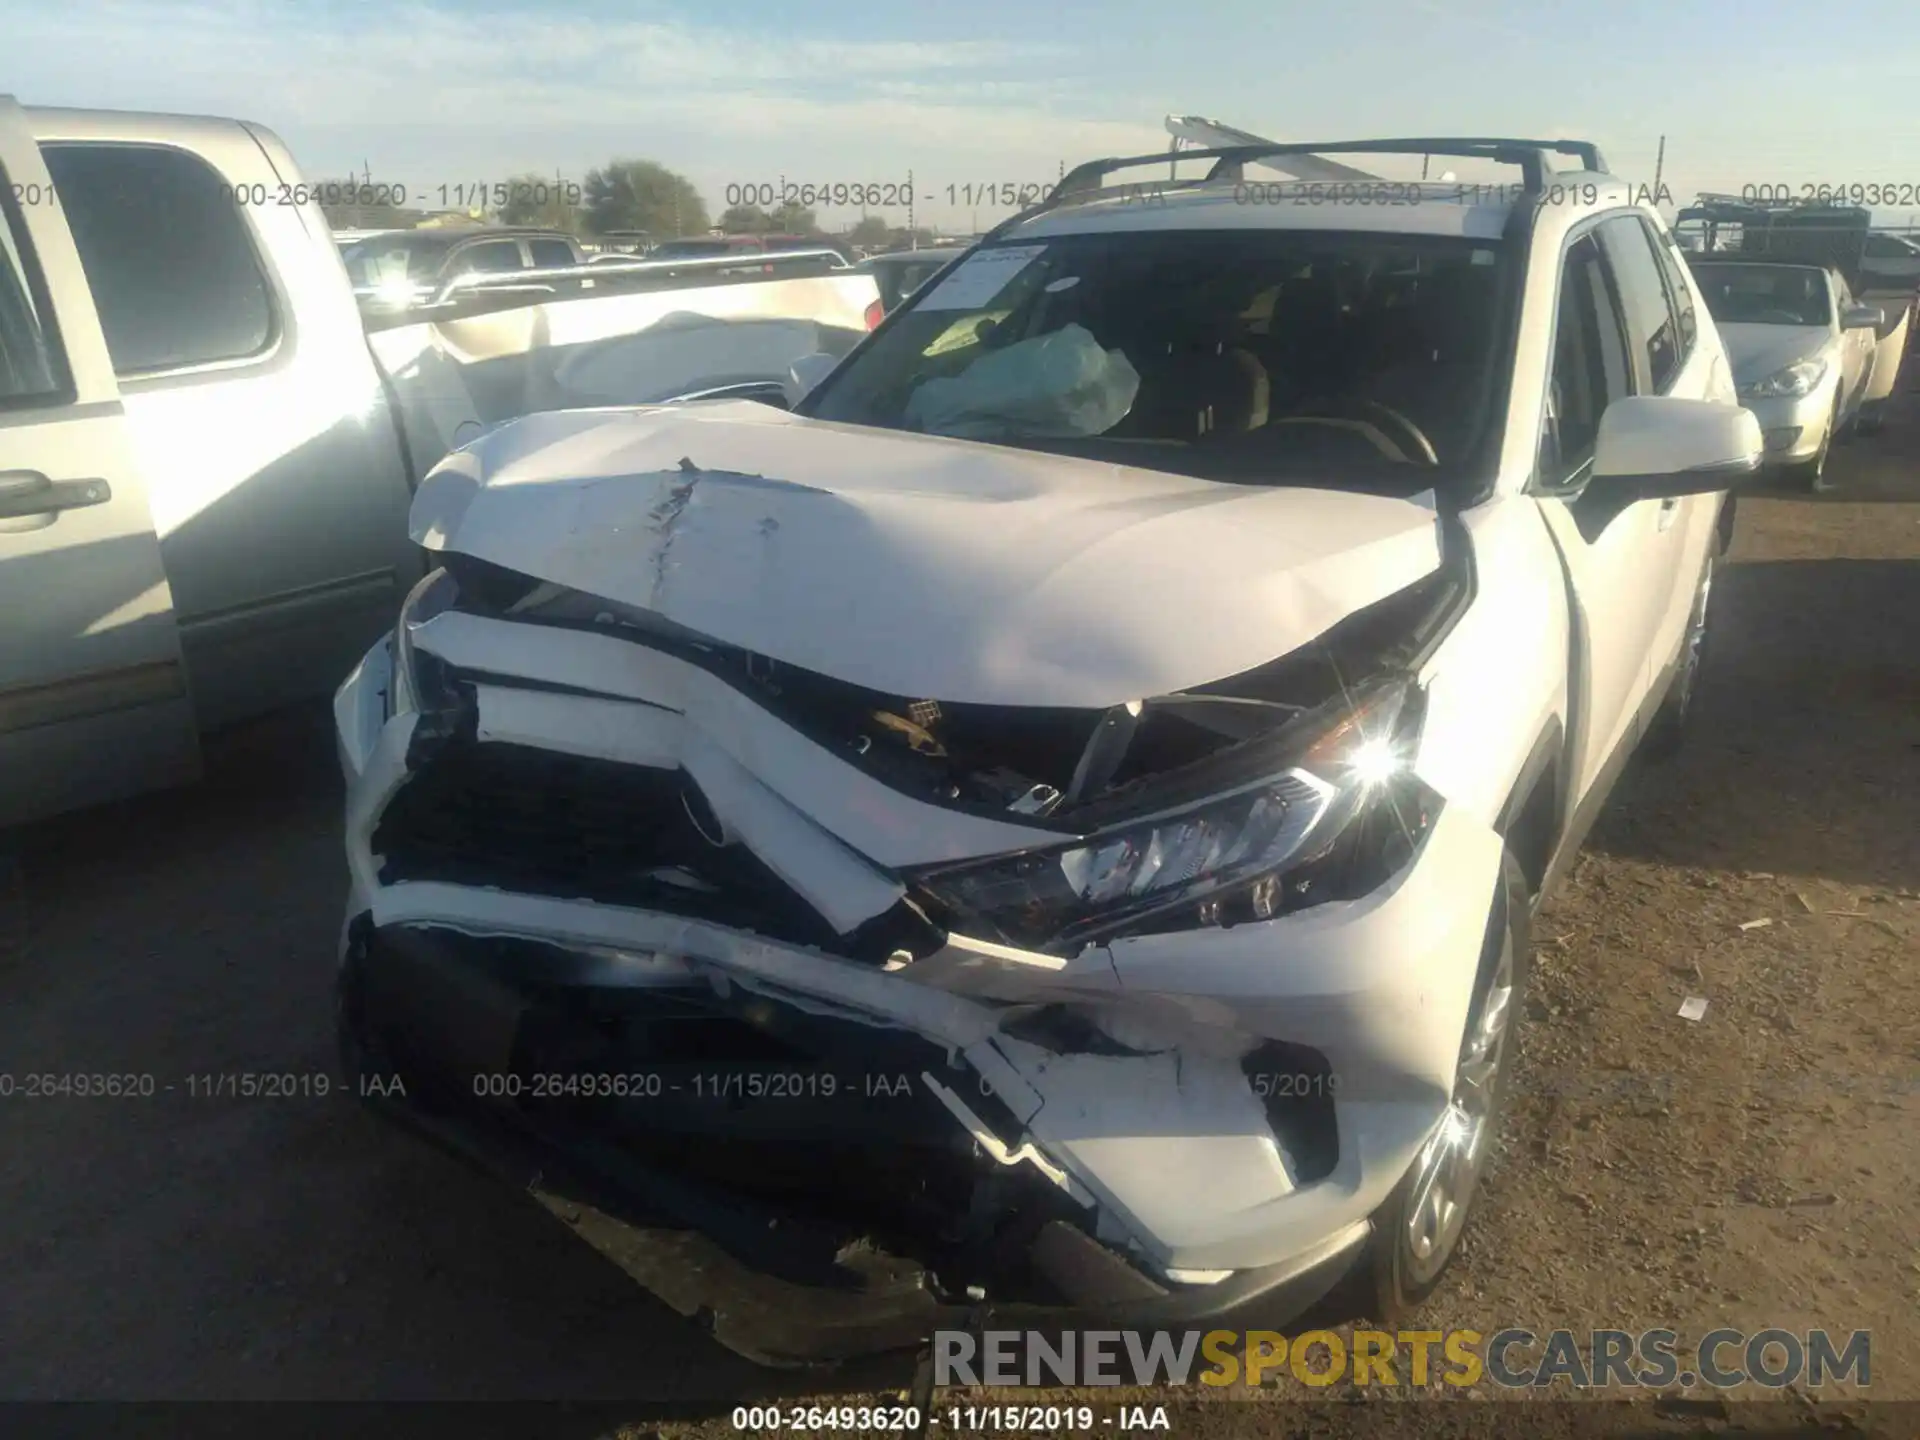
x: 1063, y: 770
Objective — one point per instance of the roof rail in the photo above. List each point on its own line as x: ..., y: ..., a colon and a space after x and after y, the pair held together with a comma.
x: 1200, y: 132
x: 1529, y: 155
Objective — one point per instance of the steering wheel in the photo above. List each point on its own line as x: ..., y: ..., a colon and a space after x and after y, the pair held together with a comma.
x: 1362, y: 415
x: 1778, y: 317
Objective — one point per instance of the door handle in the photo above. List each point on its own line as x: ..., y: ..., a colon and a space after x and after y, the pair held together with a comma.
x: 27, y: 492
x: 1669, y: 508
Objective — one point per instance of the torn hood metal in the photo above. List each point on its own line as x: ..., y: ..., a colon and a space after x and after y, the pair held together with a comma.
x: 918, y: 565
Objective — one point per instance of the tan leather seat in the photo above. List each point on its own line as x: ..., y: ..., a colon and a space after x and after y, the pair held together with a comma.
x: 1198, y: 389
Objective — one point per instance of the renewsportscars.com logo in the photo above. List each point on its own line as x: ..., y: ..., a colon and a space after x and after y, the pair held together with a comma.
x: 1513, y: 1358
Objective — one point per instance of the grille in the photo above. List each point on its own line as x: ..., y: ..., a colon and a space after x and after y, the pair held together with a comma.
x: 581, y: 829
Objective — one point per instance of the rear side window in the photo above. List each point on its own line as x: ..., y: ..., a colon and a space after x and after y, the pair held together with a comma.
x: 551, y: 254
x: 31, y: 368
x: 490, y: 258
x: 172, y: 269
x: 1652, y: 332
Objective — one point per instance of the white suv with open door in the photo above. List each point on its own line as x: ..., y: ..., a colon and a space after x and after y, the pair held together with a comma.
x: 1049, y: 825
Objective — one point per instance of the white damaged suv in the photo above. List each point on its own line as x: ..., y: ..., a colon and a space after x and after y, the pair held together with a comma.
x: 1046, y: 827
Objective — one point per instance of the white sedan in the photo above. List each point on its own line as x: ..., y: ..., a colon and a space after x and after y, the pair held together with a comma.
x: 1802, y: 353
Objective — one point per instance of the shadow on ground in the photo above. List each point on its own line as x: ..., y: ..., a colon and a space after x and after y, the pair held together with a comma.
x: 1809, y: 725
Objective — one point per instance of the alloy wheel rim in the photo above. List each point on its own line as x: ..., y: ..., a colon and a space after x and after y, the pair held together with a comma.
x: 1450, y: 1165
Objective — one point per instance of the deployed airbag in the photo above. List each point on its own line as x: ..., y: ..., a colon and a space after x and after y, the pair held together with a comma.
x: 1057, y: 385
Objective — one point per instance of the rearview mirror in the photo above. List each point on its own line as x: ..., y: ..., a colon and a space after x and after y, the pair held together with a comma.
x: 1862, y: 317
x: 1658, y: 446
x: 807, y: 372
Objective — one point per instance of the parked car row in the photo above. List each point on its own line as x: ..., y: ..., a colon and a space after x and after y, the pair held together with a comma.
x: 399, y: 269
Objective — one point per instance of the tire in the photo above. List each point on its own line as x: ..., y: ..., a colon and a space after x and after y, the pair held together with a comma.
x: 1400, y: 1276
x: 1667, y: 731
x: 1811, y: 475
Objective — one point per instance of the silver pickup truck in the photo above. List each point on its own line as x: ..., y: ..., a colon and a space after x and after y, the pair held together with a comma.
x: 205, y: 466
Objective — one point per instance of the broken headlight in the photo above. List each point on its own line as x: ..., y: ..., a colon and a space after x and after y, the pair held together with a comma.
x: 1332, y: 787
x: 415, y: 676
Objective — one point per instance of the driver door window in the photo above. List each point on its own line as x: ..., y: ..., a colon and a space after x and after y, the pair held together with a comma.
x: 1590, y: 366
x: 31, y: 369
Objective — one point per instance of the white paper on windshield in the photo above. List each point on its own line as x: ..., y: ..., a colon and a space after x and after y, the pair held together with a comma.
x: 981, y: 276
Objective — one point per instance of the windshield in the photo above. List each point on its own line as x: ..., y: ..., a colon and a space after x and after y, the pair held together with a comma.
x: 1248, y: 355
x: 1765, y: 294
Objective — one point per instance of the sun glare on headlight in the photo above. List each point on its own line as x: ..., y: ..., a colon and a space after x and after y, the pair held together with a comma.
x: 1374, y: 762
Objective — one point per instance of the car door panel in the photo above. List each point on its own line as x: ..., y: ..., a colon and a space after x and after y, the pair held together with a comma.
x: 1616, y: 600
x: 1690, y: 522
x: 94, y: 699
x: 278, y: 487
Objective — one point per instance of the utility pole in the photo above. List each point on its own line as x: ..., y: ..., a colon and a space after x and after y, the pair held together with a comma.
x: 1659, y: 165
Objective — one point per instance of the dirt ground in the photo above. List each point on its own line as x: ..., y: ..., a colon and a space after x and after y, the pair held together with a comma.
x: 1756, y: 1168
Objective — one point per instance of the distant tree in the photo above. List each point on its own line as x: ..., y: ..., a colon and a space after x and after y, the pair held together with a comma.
x: 746, y: 220
x: 795, y: 219
x: 540, y: 201
x: 642, y: 195
x: 871, y: 230
x: 904, y: 239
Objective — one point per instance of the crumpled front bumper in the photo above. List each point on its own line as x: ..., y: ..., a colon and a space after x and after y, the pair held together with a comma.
x: 424, y: 1029
x: 1255, y: 1095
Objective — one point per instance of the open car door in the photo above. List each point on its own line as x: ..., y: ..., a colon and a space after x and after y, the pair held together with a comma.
x: 93, y: 698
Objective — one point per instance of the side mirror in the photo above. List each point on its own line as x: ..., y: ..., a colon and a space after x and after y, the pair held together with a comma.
x: 807, y: 372
x: 1862, y: 317
x: 1658, y: 447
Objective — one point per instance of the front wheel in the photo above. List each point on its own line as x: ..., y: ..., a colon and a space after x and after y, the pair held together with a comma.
x: 1667, y: 731
x: 1416, y: 1234
x: 1811, y: 475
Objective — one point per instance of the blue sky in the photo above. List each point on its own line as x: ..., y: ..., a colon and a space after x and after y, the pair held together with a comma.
x: 990, y: 90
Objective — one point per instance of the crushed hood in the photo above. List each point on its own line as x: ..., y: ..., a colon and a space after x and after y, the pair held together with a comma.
x: 916, y: 565
x: 1756, y: 351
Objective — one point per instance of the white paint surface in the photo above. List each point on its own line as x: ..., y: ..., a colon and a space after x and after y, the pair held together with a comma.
x: 920, y: 566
